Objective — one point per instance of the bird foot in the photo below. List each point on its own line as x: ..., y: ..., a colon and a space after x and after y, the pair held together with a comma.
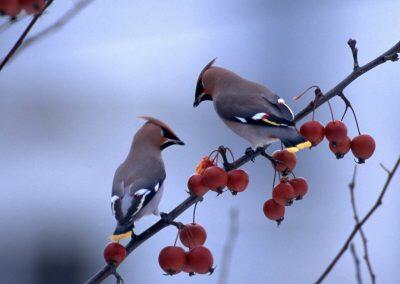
x: 167, y: 219
x: 250, y: 152
x: 119, y: 279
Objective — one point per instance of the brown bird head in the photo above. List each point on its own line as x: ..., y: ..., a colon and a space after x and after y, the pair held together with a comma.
x: 158, y: 133
x: 205, y: 84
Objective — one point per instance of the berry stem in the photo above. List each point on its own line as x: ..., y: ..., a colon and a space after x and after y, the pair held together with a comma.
x: 230, y: 152
x: 349, y: 105
x: 314, y: 105
x: 194, y: 212
x: 309, y: 88
x: 331, y: 110
x: 176, y: 238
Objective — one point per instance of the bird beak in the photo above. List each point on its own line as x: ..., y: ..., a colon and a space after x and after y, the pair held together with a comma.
x: 171, y: 139
x: 197, y: 101
x: 171, y: 142
x: 201, y: 97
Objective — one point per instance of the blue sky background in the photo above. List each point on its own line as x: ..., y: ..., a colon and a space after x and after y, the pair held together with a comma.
x: 69, y: 106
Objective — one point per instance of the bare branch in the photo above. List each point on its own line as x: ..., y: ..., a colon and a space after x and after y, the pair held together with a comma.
x: 384, y: 168
x: 229, y: 245
x: 60, y: 23
x: 354, y: 50
x: 356, y: 263
x: 357, y: 220
x: 358, y: 226
x: 23, y: 35
x: 391, y: 54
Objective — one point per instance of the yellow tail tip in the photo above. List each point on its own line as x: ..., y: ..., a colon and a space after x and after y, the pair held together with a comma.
x: 117, y: 238
x: 292, y: 149
x: 299, y: 147
x: 304, y: 145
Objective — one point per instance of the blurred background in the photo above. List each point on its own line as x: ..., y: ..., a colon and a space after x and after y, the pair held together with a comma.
x: 68, y: 111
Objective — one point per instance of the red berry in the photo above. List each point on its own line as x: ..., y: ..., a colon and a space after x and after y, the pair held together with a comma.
x: 114, y: 253
x: 283, y: 193
x: 237, y: 181
x: 300, y: 187
x: 286, y: 161
x: 335, y: 131
x: 205, y: 163
x: 340, y: 148
x: 215, y: 178
x: 172, y: 259
x: 10, y: 7
x: 33, y: 6
x: 274, y: 211
x: 187, y: 268
x: 363, y: 146
x: 196, y: 186
x: 200, y: 260
x: 313, y: 131
x: 192, y: 235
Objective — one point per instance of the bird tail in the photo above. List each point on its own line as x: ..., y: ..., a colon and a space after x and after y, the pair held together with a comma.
x: 122, y: 232
x: 296, y: 144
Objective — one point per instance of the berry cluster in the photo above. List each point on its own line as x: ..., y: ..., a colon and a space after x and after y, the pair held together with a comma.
x: 335, y: 131
x: 362, y: 146
x: 12, y: 8
x: 210, y: 176
x: 287, y: 190
x: 198, y: 259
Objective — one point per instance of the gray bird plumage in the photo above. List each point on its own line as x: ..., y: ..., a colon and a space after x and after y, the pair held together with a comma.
x: 249, y: 109
x: 138, y: 181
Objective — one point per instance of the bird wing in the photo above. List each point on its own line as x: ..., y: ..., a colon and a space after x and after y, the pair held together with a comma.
x: 135, y: 200
x: 277, y: 102
x: 253, y: 109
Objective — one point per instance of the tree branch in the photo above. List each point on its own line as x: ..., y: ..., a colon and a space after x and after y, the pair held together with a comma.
x: 358, y: 226
x: 23, y: 35
x: 352, y: 185
x: 391, y: 54
x: 60, y: 23
x: 354, y: 51
x: 356, y: 263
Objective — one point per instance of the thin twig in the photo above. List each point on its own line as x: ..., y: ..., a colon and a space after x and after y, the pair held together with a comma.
x: 356, y: 263
x: 354, y: 51
x: 360, y: 224
x: 229, y: 246
x: 391, y: 54
x: 349, y: 105
x: 60, y: 23
x: 23, y: 35
x: 364, y: 239
x: 384, y: 168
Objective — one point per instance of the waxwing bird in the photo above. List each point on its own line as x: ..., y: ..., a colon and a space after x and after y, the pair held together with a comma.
x: 138, y: 181
x: 249, y: 109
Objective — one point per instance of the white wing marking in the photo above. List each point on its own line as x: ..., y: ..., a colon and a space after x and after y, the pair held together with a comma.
x: 143, y: 194
x: 258, y: 116
x: 241, y: 119
x: 113, y: 200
